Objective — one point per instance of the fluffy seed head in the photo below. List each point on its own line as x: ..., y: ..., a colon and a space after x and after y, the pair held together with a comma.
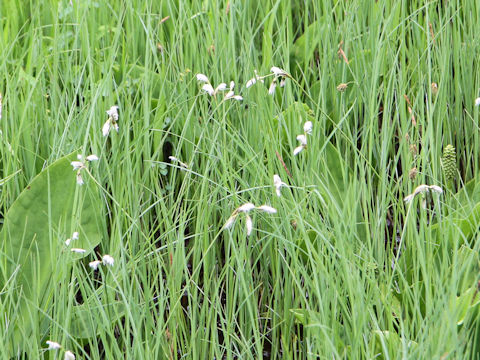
x: 250, y: 82
x: 113, y: 112
x: 279, y: 72
x: 94, y: 264
x: 307, y: 127
x: 221, y: 87
x: 249, y: 225
x: 298, y: 149
x: 76, y: 165
x: 246, y: 207
x: 92, y: 157
x: 52, y: 345
x: 436, y: 188
x: 79, y: 178
x: 267, y: 209
x: 302, y: 139
x: 202, y: 78
x: 278, y: 183
x: 209, y: 89
x: 273, y: 86
x: 106, y: 127
x: 230, y: 222
x: 107, y: 260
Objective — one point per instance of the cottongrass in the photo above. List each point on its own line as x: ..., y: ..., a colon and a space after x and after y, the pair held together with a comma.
x: 421, y: 189
x: 112, y: 121
x: 52, y: 345
x: 69, y: 355
x: 246, y: 208
x: 210, y: 90
x: 278, y: 183
x: 81, y: 164
x: 75, y: 236
x: 302, y: 138
x: 279, y: 78
x: 107, y: 260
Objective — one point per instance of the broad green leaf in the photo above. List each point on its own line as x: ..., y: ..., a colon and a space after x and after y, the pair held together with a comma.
x: 467, y: 225
x: 305, y: 45
x: 86, y: 318
x: 305, y: 317
x: 386, y: 344
x: 36, y: 226
x: 466, y: 303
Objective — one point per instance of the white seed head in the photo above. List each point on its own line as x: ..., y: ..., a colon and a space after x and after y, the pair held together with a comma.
x: 80, y: 157
x: 221, y: 87
x: 182, y: 164
x: 238, y: 98
x: 108, y: 260
x: 75, y: 235
x: 232, y: 85
x: 298, y: 149
x: 436, y: 189
x: 420, y: 189
x: 278, y: 72
x: 79, y: 178
x: 106, y: 127
x: 209, y: 89
x: 273, y: 85
x: 477, y: 101
x: 246, y: 207
x: 249, y: 225
x: 113, y: 112
x: 92, y: 157
x: 424, y: 204
x: 307, y: 127
x: 68, y: 241
x: 282, y: 82
x: 94, y: 264
x: 423, y: 189
x: 230, y: 222
x: 78, y: 250
x: 278, y: 183
x: 202, y: 78
x: 77, y: 165
x: 267, y: 209
x: 302, y: 139
x: 229, y: 95
x: 52, y: 345
x: 69, y: 355
x: 250, y: 82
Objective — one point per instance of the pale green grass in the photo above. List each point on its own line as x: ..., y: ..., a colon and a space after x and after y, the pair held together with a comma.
x: 191, y: 290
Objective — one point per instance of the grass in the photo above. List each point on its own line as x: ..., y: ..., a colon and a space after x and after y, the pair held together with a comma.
x: 344, y: 269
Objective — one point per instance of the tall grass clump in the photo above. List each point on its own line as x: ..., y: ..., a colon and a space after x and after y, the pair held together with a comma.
x: 239, y: 179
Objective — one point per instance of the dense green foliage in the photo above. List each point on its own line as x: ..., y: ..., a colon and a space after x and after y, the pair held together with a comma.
x: 345, y: 268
